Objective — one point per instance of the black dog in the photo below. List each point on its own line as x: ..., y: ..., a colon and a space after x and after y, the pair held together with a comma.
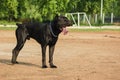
x: 45, y: 34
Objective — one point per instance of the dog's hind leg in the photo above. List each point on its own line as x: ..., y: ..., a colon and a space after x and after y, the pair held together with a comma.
x: 21, y: 39
x: 16, y: 51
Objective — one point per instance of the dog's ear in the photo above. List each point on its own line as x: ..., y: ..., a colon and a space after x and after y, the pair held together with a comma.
x: 56, y: 16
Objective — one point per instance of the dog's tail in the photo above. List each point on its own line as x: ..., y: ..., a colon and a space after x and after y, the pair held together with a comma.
x: 19, y: 25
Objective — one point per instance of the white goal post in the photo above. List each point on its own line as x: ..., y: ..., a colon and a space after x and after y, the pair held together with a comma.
x: 77, y: 23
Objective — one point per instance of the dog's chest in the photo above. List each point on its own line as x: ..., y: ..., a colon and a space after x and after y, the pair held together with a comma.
x: 52, y: 41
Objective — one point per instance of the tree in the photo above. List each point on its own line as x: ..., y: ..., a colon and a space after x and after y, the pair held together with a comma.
x: 108, y: 6
x: 2, y: 15
x: 11, y: 9
x: 116, y: 8
x: 46, y: 9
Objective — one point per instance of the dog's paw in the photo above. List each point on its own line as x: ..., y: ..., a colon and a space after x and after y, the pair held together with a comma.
x: 44, y: 66
x: 14, y: 62
x: 53, y: 66
x: 17, y: 62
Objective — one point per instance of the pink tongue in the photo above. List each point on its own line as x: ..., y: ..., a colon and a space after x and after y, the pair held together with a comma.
x: 65, y: 31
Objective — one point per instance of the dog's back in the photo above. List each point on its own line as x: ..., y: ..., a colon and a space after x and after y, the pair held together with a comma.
x: 37, y: 30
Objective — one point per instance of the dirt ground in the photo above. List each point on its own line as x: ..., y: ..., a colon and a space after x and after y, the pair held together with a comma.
x: 78, y: 55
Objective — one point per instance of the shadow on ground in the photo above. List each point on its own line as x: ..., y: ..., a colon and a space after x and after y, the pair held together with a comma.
x: 8, y: 62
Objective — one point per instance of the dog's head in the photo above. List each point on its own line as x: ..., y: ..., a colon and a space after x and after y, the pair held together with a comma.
x: 62, y: 22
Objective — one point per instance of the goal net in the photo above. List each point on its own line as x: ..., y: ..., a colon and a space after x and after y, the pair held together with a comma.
x: 79, y: 19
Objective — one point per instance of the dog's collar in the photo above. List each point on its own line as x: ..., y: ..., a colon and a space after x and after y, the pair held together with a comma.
x: 52, y: 31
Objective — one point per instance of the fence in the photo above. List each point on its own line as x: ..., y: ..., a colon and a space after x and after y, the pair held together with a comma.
x: 82, y: 18
x: 106, y: 18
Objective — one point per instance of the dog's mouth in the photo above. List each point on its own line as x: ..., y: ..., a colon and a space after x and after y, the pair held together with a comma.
x: 64, y: 30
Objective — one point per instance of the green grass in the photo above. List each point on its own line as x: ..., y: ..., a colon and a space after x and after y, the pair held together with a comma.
x: 72, y: 30
x: 93, y: 30
x: 3, y: 22
x: 7, y: 28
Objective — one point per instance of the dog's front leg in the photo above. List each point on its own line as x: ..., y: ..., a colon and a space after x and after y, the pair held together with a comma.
x: 51, y: 52
x: 44, y: 57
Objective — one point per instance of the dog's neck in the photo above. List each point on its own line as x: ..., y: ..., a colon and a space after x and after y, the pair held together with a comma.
x: 54, y: 31
x: 51, y: 30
